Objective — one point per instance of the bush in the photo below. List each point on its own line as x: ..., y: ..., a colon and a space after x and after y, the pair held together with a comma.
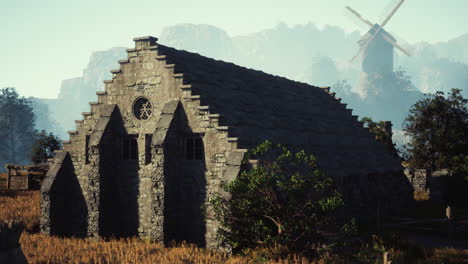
x: 44, y: 146
x: 285, y: 200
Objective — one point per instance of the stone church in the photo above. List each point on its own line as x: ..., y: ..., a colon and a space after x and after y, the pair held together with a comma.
x: 172, y: 125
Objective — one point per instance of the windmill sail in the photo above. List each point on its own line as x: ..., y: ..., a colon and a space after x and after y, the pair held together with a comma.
x: 361, y: 24
x: 365, y: 44
x: 376, y: 29
x: 392, y: 13
x: 388, y: 9
x: 403, y: 43
x: 391, y: 41
x: 355, y: 13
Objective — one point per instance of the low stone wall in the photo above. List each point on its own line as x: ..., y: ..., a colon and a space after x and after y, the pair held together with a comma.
x: 425, y: 180
x: 10, y: 250
x: 418, y: 178
x: 23, y: 177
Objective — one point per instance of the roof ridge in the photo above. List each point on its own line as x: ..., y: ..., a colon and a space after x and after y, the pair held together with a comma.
x: 230, y: 64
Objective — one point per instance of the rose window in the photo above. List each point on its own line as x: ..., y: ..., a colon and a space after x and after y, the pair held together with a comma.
x: 142, y: 109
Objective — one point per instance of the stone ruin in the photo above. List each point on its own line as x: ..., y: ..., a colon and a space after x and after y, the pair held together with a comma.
x: 171, y: 126
x: 19, y: 177
x: 419, y: 178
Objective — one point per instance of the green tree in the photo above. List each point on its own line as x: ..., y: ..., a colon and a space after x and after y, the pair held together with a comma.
x: 44, y: 146
x: 380, y: 132
x: 16, y: 127
x: 438, y: 126
x: 283, y: 200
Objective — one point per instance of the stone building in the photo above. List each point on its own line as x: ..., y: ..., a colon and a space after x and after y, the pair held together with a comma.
x: 172, y: 125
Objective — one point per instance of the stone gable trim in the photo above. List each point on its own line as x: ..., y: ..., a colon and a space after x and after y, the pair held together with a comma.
x: 46, y: 188
x: 101, y: 125
x: 164, y: 122
x: 54, y: 170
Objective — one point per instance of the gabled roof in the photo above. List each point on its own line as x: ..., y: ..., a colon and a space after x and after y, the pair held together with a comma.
x: 257, y: 106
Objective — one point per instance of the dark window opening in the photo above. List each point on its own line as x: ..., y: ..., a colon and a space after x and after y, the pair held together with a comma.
x: 148, y: 144
x: 87, y: 149
x: 194, y: 148
x: 130, y: 147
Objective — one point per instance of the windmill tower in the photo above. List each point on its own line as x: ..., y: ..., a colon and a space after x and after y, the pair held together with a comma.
x: 376, y: 46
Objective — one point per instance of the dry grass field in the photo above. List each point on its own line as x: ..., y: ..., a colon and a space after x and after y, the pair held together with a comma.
x: 40, y: 249
x: 420, y: 195
x: 23, y: 206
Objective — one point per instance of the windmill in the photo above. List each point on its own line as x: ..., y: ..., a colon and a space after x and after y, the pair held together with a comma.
x: 376, y: 46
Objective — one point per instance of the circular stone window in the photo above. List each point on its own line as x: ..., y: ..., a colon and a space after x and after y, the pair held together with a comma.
x: 142, y: 109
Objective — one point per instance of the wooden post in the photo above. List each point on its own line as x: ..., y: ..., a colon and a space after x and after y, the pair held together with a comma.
x: 28, y: 179
x: 379, y: 217
x: 450, y: 225
x: 8, y: 179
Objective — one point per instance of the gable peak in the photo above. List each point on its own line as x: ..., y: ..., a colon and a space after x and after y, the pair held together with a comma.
x: 145, y: 42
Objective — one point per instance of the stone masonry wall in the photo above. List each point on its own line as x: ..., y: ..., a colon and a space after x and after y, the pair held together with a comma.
x: 147, y: 74
x: 418, y: 178
x: 63, y: 206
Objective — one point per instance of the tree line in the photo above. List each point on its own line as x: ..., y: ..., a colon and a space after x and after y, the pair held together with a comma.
x: 20, y: 142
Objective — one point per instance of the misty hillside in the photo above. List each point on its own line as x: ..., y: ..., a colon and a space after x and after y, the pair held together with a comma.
x: 76, y: 93
x: 285, y: 51
x: 318, y: 56
x: 439, y: 67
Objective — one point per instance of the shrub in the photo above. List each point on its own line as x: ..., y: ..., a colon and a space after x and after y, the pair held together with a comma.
x: 285, y: 200
x: 44, y: 146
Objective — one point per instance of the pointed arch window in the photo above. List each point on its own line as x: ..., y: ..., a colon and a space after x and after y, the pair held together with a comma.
x: 194, y: 149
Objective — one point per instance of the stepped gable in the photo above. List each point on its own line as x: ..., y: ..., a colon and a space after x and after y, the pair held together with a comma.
x: 257, y: 106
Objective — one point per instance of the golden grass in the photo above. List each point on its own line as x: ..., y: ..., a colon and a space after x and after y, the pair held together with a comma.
x: 447, y: 255
x: 420, y: 195
x: 40, y: 249
x: 22, y: 206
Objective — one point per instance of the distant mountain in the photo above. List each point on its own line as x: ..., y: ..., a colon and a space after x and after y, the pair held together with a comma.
x: 304, y: 53
x: 282, y: 50
x: 455, y: 49
x: 321, y: 72
x: 438, y: 67
x: 206, y: 40
x: 76, y: 93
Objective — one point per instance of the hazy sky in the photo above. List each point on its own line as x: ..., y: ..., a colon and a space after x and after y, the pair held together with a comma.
x: 46, y: 41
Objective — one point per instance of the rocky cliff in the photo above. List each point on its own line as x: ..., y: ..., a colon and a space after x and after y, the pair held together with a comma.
x: 76, y: 93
